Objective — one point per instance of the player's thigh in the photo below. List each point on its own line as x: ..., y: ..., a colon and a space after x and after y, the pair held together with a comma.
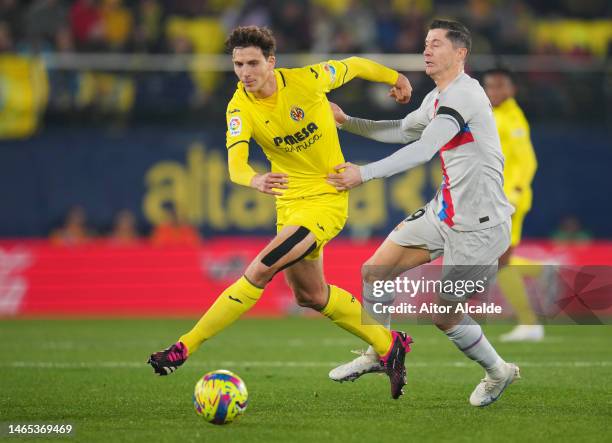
x: 290, y: 245
x: 391, y: 259
x: 307, y: 282
x: 471, y: 261
x: 482, y: 247
x: 415, y: 241
x: 323, y: 215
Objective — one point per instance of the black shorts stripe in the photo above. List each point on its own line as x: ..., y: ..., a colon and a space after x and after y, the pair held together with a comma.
x: 308, y: 251
x: 235, y: 143
x: 287, y: 245
x: 450, y: 111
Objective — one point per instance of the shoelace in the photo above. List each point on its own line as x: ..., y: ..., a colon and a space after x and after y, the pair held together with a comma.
x: 489, y: 384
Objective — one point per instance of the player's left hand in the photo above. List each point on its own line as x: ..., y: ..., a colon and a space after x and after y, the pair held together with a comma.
x: 402, y: 90
x: 347, y: 176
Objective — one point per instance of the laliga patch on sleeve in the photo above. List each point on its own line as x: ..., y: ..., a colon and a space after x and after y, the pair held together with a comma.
x: 235, y: 126
x: 330, y: 70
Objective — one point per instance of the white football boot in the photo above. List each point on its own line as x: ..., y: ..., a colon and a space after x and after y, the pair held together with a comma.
x: 524, y: 333
x: 367, y: 362
x: 490, y: 389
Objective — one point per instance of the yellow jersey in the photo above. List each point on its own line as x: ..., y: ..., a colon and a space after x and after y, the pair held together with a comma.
x: 520, y: 161
x: 295, y: 127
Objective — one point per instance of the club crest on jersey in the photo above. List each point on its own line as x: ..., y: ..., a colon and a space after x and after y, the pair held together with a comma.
x: 235, y: 126
x: 332, y: 71
x: 296, y: 113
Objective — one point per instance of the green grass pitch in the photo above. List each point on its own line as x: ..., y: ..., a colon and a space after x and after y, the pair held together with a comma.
x: 91, y: 373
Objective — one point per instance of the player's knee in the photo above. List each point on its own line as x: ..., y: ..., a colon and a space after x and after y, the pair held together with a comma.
x: 368, y: 274
x: 259, y: 274
x: 311, y: 298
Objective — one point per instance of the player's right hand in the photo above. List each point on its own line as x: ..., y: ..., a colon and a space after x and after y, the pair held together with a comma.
x: 269, y: 182
x: 402, y: 90
x: 339, y: 114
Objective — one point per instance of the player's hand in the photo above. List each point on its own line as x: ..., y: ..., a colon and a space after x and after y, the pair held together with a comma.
x: 339, y: 114
x: 347, y: 176
x: 402, y: 90
x: 269, y: 183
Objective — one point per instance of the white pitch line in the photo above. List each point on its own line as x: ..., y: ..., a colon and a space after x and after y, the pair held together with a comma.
x: 295, y: 342
x: 286, y: 364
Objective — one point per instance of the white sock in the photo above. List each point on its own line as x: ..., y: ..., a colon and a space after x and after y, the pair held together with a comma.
x: 469, y: 339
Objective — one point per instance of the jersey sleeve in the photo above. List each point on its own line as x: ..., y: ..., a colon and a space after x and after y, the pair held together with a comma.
x: 239, y: 129
x: 334, y: 73
x: 403, y: 131
x: 239, y: 132
x: 327, y: 75
x: 436, y: 134
x: 459, y: 105
x: 240, y: 171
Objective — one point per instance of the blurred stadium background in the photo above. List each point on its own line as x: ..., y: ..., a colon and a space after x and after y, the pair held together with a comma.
x: 115, y: 202
x: 112, y: 122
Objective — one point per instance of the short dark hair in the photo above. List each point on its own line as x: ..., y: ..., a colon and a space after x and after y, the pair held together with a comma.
x: 245, y: 36
x: 500, y: 70
x: 456, y: 32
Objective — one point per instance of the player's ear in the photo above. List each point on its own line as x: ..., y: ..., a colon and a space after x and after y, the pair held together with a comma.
x: 272, y: 61
x: 463, y: 53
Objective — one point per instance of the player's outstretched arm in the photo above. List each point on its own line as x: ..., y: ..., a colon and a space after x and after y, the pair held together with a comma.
x: 403, y: 131
x: 439, y: 132
x: 359, y: 67
x: 243, y: 174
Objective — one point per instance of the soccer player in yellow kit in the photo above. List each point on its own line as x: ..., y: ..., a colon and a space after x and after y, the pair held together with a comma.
x: 287, y: 112
x: 519, y: 168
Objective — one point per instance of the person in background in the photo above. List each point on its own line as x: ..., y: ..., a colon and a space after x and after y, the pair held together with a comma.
x: 125, y: 231
x: 571, y: 230
x: 74, y: 231
x: 174, y: 231
x: 519, y: 169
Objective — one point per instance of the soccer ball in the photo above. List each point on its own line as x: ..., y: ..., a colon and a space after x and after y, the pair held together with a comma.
x: 220, y: 397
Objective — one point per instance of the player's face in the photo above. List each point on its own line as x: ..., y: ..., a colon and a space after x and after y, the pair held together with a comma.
x: 252, y: 68
x: 440, y: 55
x: 499, y: 88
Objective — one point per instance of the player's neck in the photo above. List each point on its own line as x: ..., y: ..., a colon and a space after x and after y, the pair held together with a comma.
x: 268, y: 89
x: 443, y: 79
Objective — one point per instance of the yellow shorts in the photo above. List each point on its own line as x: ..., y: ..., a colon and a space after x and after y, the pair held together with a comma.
x: 517, y: 226
x: 323, y: 215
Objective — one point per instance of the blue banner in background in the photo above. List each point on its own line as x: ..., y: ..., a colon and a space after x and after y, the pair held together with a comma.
x: 144, y: 168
